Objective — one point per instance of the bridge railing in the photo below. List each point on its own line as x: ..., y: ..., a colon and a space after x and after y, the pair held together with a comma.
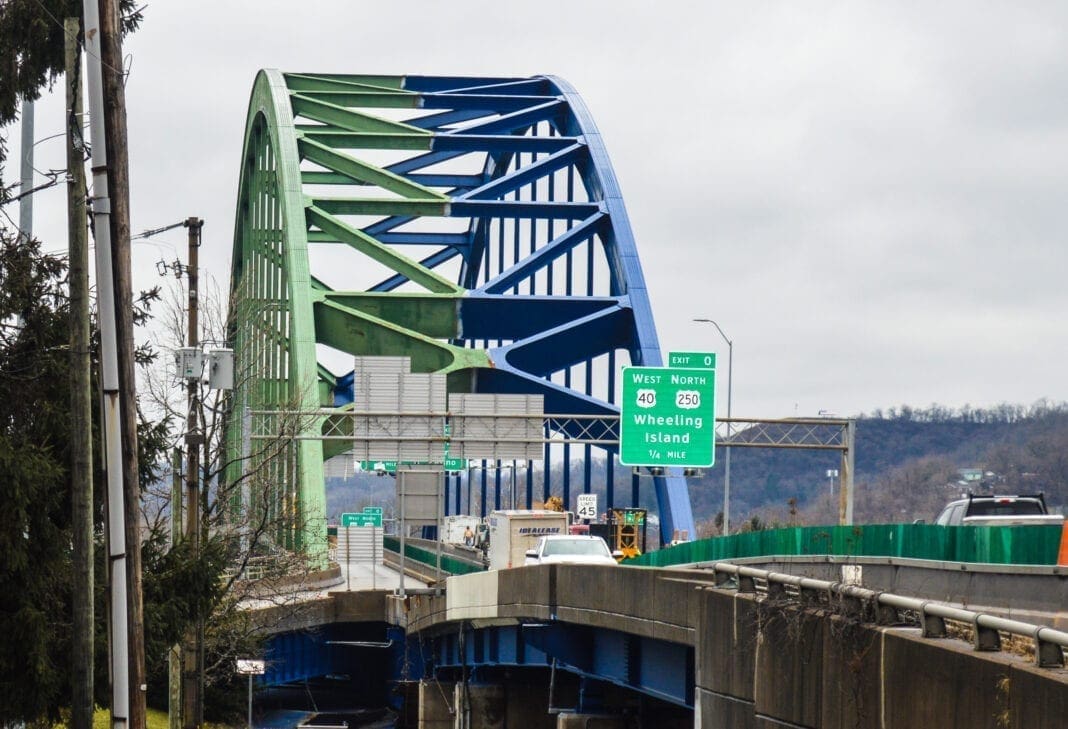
x: 449, y: 565
x: 886, y: 608
x: 1031, y: 545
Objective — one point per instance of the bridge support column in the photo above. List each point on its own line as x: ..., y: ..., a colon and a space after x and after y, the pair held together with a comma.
x: 436, y: 701
x: 590, y: 721
x: 528, y: 702
x: 487, y: 703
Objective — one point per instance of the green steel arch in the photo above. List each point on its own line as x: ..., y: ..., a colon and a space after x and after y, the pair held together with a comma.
x: 523, y: 274
x: 270, y: 313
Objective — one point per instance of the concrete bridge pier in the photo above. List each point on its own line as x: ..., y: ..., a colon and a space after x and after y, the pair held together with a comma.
x: 520, y: 699
x: 451, y: 705
x: 484, y: 707
x: 511, y: 701
x: 591, y: 710
x: 590, y: 721
x: 436, y: 702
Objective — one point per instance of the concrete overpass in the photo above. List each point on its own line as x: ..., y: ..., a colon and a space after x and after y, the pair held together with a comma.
x: 714, y: 645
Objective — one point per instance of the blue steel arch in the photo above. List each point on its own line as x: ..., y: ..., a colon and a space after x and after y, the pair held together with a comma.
x: 494, y: 238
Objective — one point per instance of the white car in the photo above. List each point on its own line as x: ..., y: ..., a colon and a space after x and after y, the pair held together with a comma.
x: 571, y: 549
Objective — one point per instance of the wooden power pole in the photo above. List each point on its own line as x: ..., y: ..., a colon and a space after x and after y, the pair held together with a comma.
x: 193, y: 649
x: 81, y: 440
x: 174, y: 655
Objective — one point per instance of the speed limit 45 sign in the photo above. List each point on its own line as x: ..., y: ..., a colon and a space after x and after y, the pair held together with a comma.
x: 667, y: 417
x: 586, y: 506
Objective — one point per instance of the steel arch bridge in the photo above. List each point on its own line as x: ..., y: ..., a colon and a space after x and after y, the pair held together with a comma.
x: 474, y: 225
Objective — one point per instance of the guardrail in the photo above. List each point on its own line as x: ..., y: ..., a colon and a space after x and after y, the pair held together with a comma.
x: 1049, y: 644
x: 449, y: 564
x: 264, y: 567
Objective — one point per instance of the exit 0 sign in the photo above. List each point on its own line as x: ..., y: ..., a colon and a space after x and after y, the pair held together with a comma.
x: 693, y: 360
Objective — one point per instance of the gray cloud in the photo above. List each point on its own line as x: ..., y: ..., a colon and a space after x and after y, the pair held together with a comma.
x: 867, y: 196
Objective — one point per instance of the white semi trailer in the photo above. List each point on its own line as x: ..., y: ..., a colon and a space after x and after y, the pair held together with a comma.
x: 512, y: 532
x: 456, y: 526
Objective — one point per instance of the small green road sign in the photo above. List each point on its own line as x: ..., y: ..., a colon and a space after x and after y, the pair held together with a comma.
x: 387, y: 466
x: 693, y: 360
x: 668, y: 417
x: 449, y: 464
x: 361, y: 520
x: 455, y: 464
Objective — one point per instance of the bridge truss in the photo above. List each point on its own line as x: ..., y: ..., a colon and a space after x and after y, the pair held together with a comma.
x: 473, y: 225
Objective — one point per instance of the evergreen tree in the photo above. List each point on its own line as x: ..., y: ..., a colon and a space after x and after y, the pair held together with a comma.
x: 34, y: 522
x: 31, y: 50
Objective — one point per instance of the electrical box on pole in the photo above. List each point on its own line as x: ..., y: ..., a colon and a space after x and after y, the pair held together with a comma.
x: 190, y: 362
x: 221, y: 369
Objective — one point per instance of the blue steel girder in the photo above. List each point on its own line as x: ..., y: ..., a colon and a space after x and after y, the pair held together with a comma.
x: 657, y: 668
x: 334, y: 647
x: 495, y: 194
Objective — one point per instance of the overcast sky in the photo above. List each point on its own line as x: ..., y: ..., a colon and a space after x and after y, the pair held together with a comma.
x: 868, y: 197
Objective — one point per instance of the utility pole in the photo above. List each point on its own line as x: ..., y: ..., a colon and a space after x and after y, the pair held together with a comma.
x: 117, y: 167
x: 26, y: 173
x: 118, y: 170
x: 174, y: 655
x: 109, y: 380
x: 193, y: 650
x: 81, y: 440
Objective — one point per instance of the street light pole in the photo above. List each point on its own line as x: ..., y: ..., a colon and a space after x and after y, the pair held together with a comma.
x: 727, y: 447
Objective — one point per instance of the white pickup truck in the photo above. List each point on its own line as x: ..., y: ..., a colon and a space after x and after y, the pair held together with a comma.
x: 996, y: 510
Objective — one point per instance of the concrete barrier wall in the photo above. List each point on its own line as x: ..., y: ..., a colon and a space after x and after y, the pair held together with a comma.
x: 473, y: 596
x: 527, y: 592
x: 769, y: 663
x: 633, y: 600
x: 1037, y: 701
x: 851, y: 691
x: 760, y: 664
x: 788, y: 667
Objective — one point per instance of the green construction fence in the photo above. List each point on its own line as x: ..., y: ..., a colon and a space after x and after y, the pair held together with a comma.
x: 1031, y: 545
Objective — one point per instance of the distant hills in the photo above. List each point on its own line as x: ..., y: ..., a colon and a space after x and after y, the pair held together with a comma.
x: 906, y: 465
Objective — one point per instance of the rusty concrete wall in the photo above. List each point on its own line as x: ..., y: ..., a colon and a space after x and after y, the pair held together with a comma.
x: 761, y: 664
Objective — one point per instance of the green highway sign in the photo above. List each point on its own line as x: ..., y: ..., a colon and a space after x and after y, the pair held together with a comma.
x: 387, y: 466
x: 668, y: 417
x: 449, y: 464
x: 693, y: 360
x: 361, y: 520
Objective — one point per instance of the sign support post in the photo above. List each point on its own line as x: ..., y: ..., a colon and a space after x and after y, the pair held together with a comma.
x: 250, y: 667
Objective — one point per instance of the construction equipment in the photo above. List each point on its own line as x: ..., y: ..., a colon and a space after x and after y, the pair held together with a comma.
x: 628, y: 531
